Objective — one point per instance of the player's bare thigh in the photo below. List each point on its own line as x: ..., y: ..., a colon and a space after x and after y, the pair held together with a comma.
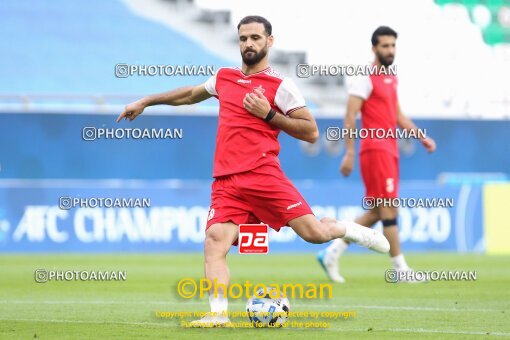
x: 220, y: 236
x: 369, y: 218
x: 310, y: 229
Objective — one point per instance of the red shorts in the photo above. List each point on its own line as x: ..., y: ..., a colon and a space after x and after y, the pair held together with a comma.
x: 380, y: 173
x: 263, y: 194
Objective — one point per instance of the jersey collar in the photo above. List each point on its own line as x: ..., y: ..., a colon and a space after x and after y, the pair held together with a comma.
x: 251, y: 74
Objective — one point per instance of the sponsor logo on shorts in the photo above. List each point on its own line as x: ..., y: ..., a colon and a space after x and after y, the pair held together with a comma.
x: 253, y: 239
x: 292, y: 206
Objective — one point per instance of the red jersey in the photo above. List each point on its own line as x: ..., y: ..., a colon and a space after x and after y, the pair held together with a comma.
x: 379, y: 110
x: 243, y: 141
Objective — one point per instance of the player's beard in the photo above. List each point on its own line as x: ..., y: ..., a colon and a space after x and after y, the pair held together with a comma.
x: 255, y: 56
x: 386, y: 61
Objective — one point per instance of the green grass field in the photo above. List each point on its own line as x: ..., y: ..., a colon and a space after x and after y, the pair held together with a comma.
x: 118, y: 309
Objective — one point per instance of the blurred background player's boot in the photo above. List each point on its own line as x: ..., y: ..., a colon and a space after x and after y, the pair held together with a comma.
x: 401, y: 267
x: 329, y: 259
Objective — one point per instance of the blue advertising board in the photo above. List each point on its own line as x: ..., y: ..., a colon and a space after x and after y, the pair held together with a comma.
x: 52, y: 146
x: 35, y: 216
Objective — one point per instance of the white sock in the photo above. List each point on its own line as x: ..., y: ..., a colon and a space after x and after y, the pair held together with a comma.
x: 350, y: 228
x: 399, y: 262
x: 336, y: 248
x: 343, y: 224
x: 218, y: 304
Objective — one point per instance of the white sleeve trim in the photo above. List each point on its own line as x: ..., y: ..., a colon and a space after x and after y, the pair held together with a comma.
x: 288, y: 98
x: 210, y: 85
x: 360, y: 86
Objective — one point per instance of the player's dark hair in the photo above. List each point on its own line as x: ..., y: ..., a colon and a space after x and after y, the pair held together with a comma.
x: 380, y: 31
x: 256, y: 18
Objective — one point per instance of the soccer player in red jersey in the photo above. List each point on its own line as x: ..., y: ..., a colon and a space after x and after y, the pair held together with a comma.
x: 376, y: 97
x: 249, y: 186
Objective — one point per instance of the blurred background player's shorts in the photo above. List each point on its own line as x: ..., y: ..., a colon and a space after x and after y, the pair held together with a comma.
x: 380, y: 173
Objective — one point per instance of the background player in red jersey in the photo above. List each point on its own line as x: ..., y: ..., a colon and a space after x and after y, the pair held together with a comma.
x: 250, y: 187
x: 376, y: 97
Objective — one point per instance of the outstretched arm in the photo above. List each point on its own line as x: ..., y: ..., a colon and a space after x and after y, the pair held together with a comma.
x: 406, y: 123
x: 182, y: 96
x: 299, y: 124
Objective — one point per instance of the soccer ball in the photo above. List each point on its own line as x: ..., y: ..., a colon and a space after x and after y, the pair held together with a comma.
x: 265, y: 311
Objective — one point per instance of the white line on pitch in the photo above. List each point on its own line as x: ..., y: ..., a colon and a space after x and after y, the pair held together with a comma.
x: 344, y: 306
x: 421, y: 309
x: 93, y: 322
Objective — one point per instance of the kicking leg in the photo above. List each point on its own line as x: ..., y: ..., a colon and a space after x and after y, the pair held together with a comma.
x: 314, y: 231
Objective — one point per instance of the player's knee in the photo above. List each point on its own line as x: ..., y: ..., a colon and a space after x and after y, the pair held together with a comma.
x: 213, y: 235
x: 215, y: 243
x: 213, y: 250
x: 209, y: 242
x: 387, y: 213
